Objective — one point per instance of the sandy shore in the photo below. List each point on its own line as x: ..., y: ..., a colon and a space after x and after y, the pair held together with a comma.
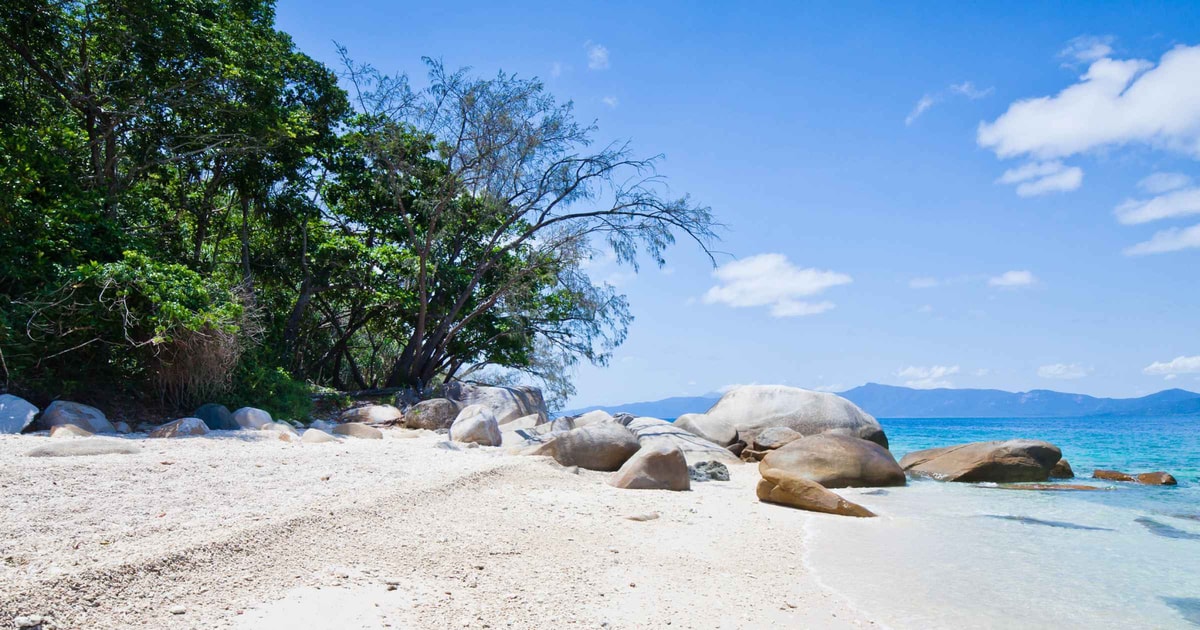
x: 245, y: 532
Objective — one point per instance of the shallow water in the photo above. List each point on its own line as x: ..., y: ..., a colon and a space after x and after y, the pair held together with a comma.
x: 948, y: 555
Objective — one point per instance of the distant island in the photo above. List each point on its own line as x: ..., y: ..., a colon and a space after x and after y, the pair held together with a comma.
x: 889, y: 401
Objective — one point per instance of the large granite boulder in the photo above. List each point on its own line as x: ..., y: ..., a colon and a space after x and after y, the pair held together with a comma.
x: 603, y: 446
x: 506, y: 403
x: 181, y: 428
x: 746, y: 411
x: 775, y: 437
x: 656, y: 466
x: 1009, y: 461
x: 476, y: 424
x: 372, y: 414
x: 217, y: 417
x: 591, y: 417
x: 358, y: 430
x: 85, y: 417
x: 1062, y: 470
x: 15, y: 413
x: 837, y: 461
x: 778, y: 486
x: 654, y: 431
x: 252, y: 418
x: 432, y: 414
x: 86, y: 447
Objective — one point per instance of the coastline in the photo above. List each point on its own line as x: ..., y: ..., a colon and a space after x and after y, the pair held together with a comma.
x: 248, y: 532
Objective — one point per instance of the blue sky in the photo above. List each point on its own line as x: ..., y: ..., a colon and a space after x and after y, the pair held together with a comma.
x: 937, y: 194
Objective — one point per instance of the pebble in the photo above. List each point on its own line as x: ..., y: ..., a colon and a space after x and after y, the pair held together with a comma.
x: 28, y: 621
x: 177, y: 610
x: 649, y: 516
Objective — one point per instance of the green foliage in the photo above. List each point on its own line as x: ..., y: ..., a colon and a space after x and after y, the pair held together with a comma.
x: 269, y: 388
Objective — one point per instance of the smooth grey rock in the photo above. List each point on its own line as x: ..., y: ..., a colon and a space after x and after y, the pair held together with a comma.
x: 252, y: 418
x: 358, y: 430
x: 695, y: 448
x: 603, y: 446
x: 837, y: 461
x: 317, y: 436
x: 182, y: 427
x: 656, y: 466
x: 83, y: 416
x: 478, y: 425
x: 506, y: 403
x: 432, y: 414
x: 15, y: 413
x: 999, y: 461
x: 372, y: 414
x: 216, y: 417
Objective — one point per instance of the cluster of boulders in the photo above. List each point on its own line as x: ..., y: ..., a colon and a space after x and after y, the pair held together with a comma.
x: 805, y: 443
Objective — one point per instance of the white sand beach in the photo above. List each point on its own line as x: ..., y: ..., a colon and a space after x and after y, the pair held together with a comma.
x: 243, y: 531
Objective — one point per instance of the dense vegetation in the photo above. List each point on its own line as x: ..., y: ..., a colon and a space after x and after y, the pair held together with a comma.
x: 190, y: 209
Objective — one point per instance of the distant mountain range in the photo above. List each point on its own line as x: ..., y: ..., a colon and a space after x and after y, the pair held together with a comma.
x: 888, y: 401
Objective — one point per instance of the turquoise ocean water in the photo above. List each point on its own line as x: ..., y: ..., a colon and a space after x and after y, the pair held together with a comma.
x: 949, y: 555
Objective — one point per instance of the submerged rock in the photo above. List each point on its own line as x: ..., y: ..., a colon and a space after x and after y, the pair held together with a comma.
x: 837, y: 461
x: 476, y: 424
x: 15, y: 413
x: 216, y: 417
x: 1062, y: 470
x: 604, y: 446
x: 358, y: 430
x: 86, y: 447
x: 65, y: 412
x: 180, y: 428
x: 708, y: 471
x: 1001, y: 462
x: 1111, y: 475
x: 746, y: 411
x: 656, y: 466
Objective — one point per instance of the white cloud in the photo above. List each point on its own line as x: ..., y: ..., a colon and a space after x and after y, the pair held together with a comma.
x: 1178, y: 365
x: 921, y: 107
x: 597, y: 56
x: 1176, y: 203
x: 968, y: 89
x: 556, y: 69
x: 1115, y: 103
x: 923, y: 282
x: 1039, y: 178
x: 611, y: 101
x: 931, y: 377
x: 1087, y: 48
x: 1170, y: 240
x: 1012, y: 279
x: 771, y: 280
x: 1158, y: 183
x: 1064, y: 371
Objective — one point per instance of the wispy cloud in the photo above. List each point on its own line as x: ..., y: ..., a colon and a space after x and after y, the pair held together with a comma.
x: 1086, y: 48
x: 1158, y: 183
x: 1166, y: 241
x: 931, y: 377
x: 1178, y: 365
x: 1040, y: 178
x: 1013, y: 279
x: 1169, y: 205
x: 597, y: 56
x: 1063, y: 371
x: 966, y: 88
x: 924, y: 282
x: 611, y: 101
x: 556, y: 69
x: 772, y: 280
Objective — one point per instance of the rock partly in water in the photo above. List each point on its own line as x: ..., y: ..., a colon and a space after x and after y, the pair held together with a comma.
x: 801, y: 493
x: 656, y: 466
x: 775, y: 437
x: 476, y: 424
x: 746, y: 411
x: 15, y: 413
x: 506, y: 403
x: 317, y: 436
x: 837, y: 461
x: 708, y: 471
x: 252, y: 418
x: 372, y: 414
x: 65, y: 412
x: 1047, y: 487
x: 1008, y: 461
x: 1062, y: 470
x: 432, y: 414
x: 181, y: 428
x: 1111, y: 475
x: 654, y: 431
x: 1157, y: 478
x: 69, y: 431
x: 217, y: 417
x: 358, y: 430
x: 87, y: 447
x: 604, y: 446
